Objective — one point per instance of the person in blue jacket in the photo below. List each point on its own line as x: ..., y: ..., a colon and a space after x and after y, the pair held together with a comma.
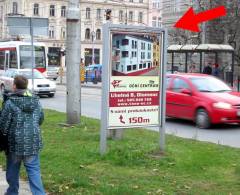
x: 20, y: 121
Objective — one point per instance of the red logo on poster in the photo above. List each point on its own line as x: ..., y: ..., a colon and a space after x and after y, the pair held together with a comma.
x: 116, y: 83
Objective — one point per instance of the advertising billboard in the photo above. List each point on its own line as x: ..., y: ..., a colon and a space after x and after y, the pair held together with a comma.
x: 133, y: 78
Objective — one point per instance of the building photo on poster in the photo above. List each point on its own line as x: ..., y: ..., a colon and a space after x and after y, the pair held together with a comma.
x: 135, y: 54
x: 134, y: 91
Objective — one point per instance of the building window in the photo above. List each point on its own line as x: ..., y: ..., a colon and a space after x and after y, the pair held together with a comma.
x: 36, y: 9
x: 159, y: 22
x: 130, y: 16
x: 87, y: 34
x: 149, y: 55
x: 98, y: 14
x: 140, y: 17
x: 140, y: 1
x: 134, y: 67
x: 51, y: 32
x: 131, y: 1
x: 63, y: 11
x: 52, y: 10
x: 154, y: 21
x: 63, y: 33
x: 129, y: 68
x: 124, y: 54
x: 140, y: 66
x: 88, y: 13
x: 15, y: 8
x: 98, y: 34
x: 125, y: 42
x: 121, y: 15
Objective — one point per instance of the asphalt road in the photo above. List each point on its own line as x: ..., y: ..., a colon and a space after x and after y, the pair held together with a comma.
x: 91, y: 106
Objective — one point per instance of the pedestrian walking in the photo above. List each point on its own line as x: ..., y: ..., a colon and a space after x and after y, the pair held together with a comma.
x: 20, y: 121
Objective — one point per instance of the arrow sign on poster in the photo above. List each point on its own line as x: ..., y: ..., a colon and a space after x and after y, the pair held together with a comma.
x: 190, y: 21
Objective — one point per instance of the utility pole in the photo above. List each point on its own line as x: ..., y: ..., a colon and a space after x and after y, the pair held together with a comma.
x: 73, y: 62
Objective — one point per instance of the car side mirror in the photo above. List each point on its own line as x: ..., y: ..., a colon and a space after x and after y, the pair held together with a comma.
x: 186, y: 91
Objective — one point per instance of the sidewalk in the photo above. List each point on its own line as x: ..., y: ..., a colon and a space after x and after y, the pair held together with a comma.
x: 24, y: 187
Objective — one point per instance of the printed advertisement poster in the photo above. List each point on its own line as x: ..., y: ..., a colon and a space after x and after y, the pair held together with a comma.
x: 134, y: 101
x: 136, y: 54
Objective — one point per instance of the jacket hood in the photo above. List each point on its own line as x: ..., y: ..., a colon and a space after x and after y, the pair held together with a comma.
x: 25, y: 103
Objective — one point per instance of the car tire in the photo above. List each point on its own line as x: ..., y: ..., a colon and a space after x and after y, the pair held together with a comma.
x: 202, y: 119
x: 51, y: 95
x: 54, y: 79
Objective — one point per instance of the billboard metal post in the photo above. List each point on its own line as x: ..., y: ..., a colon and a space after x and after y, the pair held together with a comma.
x: 163, y: 91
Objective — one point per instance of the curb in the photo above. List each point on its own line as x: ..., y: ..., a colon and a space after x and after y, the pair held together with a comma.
x: 84, y: 86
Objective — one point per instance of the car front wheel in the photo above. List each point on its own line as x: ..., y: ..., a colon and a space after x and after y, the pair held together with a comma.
x: 202, y: 119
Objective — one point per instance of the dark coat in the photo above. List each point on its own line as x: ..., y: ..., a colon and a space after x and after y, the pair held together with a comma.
x: 20, y: 120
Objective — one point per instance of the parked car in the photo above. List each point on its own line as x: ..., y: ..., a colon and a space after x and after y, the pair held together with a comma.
x: 201, y: 98
x: 52, y: 72
x: 93, y: 73
x: 42, y: 86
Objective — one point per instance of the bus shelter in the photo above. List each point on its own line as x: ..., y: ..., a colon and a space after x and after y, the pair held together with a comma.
x: 203, y: 49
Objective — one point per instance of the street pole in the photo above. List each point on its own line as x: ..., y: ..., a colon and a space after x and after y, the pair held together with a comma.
x: 203, y: 41
x: 73, y: 62
x: 32, y: 52
x: 93, y: 54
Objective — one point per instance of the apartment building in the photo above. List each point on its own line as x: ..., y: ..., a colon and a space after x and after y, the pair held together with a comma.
x: 135, y: 55
x: 133, y: 12
x: 155, y: 13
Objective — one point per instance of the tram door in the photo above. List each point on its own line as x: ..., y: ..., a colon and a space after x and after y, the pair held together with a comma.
x: 6, y: 63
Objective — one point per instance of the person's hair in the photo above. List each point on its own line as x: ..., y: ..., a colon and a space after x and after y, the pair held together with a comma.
x: 21, y: 82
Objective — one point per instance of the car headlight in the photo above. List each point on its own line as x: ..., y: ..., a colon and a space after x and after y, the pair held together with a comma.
x: 222, y: 105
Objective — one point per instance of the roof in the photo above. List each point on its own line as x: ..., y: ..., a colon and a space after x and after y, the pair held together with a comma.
x: 17, y: 43
x: 200, y: 48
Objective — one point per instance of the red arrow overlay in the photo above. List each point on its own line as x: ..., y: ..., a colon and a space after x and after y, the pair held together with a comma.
x: 190, y: 20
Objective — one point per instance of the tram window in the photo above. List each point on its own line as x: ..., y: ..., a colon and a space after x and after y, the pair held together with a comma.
x: 13, y: 59
x: 2, y: 58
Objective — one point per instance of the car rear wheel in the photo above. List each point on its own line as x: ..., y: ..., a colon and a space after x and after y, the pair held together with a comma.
x: 51, y: 95
x: 202, y: 119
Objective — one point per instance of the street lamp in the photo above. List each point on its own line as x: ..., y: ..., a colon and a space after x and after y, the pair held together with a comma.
x: 93, y: 35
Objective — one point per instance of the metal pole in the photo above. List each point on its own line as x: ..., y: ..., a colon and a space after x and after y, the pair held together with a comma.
x: 105, y: 89
x: 73, y: 62
x: 32, y: 53
x: 93, y: 54
x: 203, y: 41
x: 186, y: 62
x: 162, y: 129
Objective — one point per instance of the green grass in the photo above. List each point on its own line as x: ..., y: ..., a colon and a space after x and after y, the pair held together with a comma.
x: 71, y: 164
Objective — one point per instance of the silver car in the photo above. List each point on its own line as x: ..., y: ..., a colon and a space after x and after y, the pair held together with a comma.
x: 42, y: 86
x: 52, y: 72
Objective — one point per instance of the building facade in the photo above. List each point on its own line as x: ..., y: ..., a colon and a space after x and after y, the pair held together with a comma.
x: 155, y: 13
x: 132, y: 55
x: 93, y: 16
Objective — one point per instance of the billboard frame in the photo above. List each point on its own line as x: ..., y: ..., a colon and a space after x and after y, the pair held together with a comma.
x: 108, y: 29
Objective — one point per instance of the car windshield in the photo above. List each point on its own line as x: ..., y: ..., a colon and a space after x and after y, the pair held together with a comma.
x: 28, y: 74
x: 210, y: 84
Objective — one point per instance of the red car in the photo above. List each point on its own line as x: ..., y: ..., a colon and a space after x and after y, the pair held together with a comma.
x: 201, y: 98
